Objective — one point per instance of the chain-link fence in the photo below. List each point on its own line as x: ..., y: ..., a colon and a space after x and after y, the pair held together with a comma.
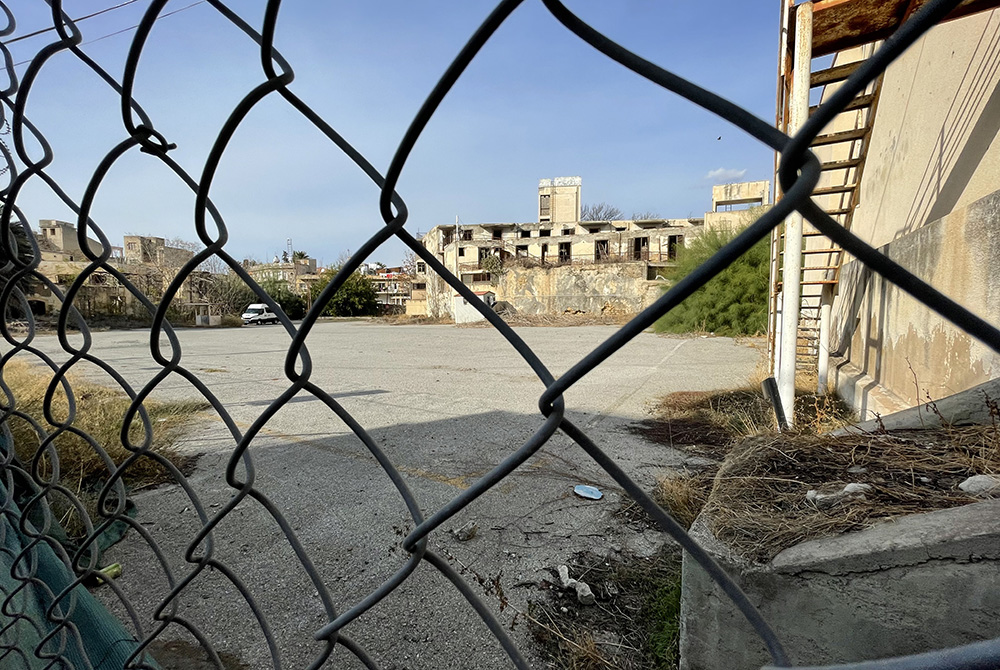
x: 50, y: 620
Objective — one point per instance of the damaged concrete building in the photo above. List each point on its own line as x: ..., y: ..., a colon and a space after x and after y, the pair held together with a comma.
x: 148, y: 263
x: 556, y: 264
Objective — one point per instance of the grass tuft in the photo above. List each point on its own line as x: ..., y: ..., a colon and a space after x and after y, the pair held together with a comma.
x: 100, y: 413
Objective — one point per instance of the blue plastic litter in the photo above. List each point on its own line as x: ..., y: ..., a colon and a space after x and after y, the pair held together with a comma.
x: 585, y: 491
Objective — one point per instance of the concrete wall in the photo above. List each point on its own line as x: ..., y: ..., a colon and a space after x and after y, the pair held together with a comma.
x: 890, y: 345
x: 920, y: 583
x: 614, y: 287
x: 741, y: 193
x: 928, y: 198
x: 563, y: 197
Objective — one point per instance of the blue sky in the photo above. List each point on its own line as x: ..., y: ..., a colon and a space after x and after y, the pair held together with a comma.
x: 537, y: 102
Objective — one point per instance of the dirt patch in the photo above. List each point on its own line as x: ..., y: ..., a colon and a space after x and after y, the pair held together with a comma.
x: 183, y: 655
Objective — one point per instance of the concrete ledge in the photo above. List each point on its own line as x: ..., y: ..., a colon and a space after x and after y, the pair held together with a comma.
x: 921, y: 583
x: 961, y: 409
x: 960, y: 533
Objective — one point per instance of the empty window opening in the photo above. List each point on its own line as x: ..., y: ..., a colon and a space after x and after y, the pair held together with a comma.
x: 467, y: 235
x: 544, y: 233
x: 496, y: 233
x: 521, y: 251
x: 601, y: 250
x: 525, y: 233
x: 565, y: 252
x: 673, y: 242
x: 640, y: 249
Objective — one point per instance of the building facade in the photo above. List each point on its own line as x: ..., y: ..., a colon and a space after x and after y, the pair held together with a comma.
x: 557, y: 263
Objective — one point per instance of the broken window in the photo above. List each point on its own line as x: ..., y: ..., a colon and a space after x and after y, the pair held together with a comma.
x: 673, y: 242
x: 545, y: 251
x: 467, y: 235
x: 567, y: 231
x: 521, y: 251
x: 525, y: 233
x: 421, y: 267
x: 565, y: 252
x: 496, y: 233
x: 593, y: 230
x: 544, y: 207
x: 422, y: 286
x: 601, y: 250
x: 446, y: 237
x: 640, y: 249
x: 545, y: 233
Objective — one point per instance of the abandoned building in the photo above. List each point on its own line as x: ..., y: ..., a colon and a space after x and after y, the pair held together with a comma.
x: 149, y: 264
x: 560, y: 263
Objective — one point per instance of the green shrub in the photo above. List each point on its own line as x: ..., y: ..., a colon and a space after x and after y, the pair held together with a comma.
x: 734, y: 302
x: 355, y: 298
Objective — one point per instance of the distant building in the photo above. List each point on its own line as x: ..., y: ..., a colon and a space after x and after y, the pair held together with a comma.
x: 299, y: 274
x: 150, y: 268
x: 154, y: 250
x: 731, y: 202
x: 556, y: 264
x: 392, y: 288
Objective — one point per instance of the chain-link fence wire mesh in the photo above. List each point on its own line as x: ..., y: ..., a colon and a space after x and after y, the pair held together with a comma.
x: 49, y: 616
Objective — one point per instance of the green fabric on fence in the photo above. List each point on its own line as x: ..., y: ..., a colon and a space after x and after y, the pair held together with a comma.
x: 99, y: 637
x: 102, y: 638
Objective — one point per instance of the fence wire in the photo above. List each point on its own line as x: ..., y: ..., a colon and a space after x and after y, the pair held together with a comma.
x: 28, y: 487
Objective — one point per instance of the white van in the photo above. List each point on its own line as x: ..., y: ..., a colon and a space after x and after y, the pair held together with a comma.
x: 259, y: 313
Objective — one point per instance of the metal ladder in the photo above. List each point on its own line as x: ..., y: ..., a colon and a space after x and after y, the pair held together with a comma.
x: 842, y: 148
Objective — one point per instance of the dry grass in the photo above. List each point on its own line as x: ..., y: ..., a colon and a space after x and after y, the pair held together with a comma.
x: 708, y: 421
x: 684, y: 495
x: 405, y: 320
x: 758, y: 503
x: 560, y: 320
x: 100, y: 412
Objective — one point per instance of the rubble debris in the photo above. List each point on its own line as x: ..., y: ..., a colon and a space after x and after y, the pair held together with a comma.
x: 466, y: 532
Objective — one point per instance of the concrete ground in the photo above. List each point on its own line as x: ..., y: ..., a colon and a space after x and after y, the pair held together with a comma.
x: 446, y: 404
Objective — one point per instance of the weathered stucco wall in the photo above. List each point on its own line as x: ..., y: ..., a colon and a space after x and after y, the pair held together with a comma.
x: 604, y: 287
x: 928, y: 199
x: 920, y: 583
x: 889, y: 345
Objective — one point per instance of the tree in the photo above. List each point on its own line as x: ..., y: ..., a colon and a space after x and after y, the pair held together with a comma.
x: 230, y: 293
x: 409, y: 263
x: 299, y: 255
x: 645, y: 215
x: 356, y: 297
x: 291, y: 303
x: 734, y: 302
x: 601, y: 211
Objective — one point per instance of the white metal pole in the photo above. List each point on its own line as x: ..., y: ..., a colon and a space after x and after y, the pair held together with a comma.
x: 825, y: 313
x: 792, y: 262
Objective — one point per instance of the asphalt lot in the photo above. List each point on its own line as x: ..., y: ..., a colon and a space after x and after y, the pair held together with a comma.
x: 446, y: 404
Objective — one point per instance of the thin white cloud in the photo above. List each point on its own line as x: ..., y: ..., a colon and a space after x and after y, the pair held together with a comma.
x: 725, y: 175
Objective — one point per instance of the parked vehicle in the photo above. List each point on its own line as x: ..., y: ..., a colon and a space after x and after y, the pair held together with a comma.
x: 259, y: 313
